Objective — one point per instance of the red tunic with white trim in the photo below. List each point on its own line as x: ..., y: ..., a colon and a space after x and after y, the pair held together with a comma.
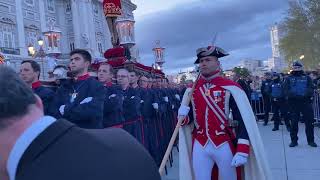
x: 211, y: 108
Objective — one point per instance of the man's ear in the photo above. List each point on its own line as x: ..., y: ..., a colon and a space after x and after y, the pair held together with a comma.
x: 39, y: 103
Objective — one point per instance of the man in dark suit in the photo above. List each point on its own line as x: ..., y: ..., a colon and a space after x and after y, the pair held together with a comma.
x: 30, y: 73
x: 80, y: 99
x: 42, y: 147
x: 113, y: 102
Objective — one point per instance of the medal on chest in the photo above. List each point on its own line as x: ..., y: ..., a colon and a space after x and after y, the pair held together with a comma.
x: 217, y: 96
x: 208, y: 92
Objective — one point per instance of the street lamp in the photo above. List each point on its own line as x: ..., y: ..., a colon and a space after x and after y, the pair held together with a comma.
x: 31, y: 49
x: 40, y: 42
x: 301, y: 57
x: 38, y: 53
x: 159, y: 55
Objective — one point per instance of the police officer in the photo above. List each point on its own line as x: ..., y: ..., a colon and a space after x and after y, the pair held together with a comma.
x: 30, y: 73
x: 279, y: 104
x: 266, y: 90
x: 299, y: 90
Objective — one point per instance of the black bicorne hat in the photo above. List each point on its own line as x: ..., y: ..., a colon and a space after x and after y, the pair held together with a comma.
x: 210, y: 51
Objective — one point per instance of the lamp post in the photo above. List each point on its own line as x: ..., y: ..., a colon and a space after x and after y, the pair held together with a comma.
x: 38, y: 54
x: 159, y: 55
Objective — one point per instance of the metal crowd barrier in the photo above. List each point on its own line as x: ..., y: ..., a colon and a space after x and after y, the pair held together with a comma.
x: 257, y: 104
x: 316, y: 108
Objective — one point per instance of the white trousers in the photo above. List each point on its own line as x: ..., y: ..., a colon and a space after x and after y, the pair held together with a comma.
x: 204, y: 159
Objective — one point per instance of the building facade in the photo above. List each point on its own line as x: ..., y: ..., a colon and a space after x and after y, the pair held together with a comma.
x: 63, y: 25
x: 277, y: 61
x: 251, y: 64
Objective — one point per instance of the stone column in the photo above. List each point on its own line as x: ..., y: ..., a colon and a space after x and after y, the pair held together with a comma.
x: 76, y: 23
x: 42, y: 12
x: 20, y: 27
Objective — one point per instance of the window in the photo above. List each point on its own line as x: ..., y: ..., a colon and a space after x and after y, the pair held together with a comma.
x: 7, y: 36
x: 96, y: 9
x: 8, y: 40
x: 50, y: 5
x: 29, y: 2
x: 71, y: 46
x: 100, y: 47
x: 31, y: 37
x: 4, y: 8
x: 1, y: 38
x: 30, y: 15
x: 68, y: 7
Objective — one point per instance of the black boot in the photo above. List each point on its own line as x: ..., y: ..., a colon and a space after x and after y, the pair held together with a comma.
x: 275, y: 129
x: 313, y: 144
x: 293, y: 144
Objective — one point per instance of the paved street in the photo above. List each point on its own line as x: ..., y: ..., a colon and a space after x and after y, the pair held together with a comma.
x: 302, y: 162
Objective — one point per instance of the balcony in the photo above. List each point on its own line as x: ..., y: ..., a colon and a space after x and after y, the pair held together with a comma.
x: 12, y: 51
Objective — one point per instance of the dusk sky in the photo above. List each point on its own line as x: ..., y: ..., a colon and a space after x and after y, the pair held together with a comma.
x: 182, y: 26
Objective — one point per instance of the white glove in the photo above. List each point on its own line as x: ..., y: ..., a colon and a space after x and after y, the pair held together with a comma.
x: 86, y: 100
x: 112, y: 96
x: 177, y: 96
x: 183, y: 110
x: 155, y: 106
x: 172, y: 106
x: 61, y: 109
x: 166, y: 99
x: 132, y: 97
x: 239, y: 159
x: 142, y: 101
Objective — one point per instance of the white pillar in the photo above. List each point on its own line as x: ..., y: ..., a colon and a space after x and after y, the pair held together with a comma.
x: 20, y: 27
x: 76, y: 23
x: 92, y: 29
x: 42, y: 12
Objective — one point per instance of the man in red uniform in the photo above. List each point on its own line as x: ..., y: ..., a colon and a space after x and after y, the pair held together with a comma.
x: 219, y: 140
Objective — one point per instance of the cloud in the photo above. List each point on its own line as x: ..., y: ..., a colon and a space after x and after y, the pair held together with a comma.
x: 242, y: 27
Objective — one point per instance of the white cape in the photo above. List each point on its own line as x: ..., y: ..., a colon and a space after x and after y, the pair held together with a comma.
x: 257, y: 167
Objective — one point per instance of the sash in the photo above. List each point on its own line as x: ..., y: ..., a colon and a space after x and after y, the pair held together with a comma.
x: 214, y: 107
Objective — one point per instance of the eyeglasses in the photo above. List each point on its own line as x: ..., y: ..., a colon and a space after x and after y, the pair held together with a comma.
x: 122, y: 76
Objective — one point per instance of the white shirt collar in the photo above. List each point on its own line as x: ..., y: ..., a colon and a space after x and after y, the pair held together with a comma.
x: 23, y: 142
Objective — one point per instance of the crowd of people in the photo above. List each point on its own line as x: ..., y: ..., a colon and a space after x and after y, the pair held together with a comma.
x: 145, y: 107
x: 289, y: 97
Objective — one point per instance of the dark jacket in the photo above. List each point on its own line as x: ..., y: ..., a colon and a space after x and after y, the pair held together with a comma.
x: 65, y: 152
x: 131, y: 104
x: 266, y: 88
x: 46, y: 96
x: 113, y: 106
x: 85, y: 115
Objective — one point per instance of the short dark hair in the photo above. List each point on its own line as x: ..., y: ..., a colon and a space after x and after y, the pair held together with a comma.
x: 15, y: 96
x: 110, y: 67
x: 35, y: 66
x: 84, y: 53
